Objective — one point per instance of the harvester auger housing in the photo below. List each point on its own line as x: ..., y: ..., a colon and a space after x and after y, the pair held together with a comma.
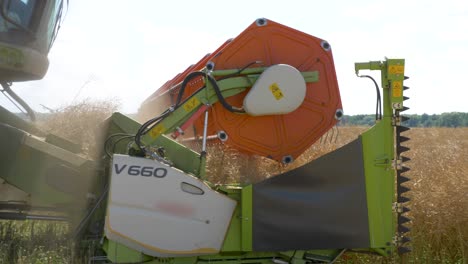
x: 272, y: 91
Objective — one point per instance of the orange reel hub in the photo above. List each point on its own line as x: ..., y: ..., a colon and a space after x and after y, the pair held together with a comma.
x: 280, y: 137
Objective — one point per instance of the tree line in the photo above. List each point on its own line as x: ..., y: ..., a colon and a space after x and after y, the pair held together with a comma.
x: 452, y: 119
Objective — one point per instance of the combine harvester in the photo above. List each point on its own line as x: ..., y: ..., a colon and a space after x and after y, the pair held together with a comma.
x: 272, y: 91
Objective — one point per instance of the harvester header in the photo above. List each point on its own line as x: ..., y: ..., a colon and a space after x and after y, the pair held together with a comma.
x: 271, y: 91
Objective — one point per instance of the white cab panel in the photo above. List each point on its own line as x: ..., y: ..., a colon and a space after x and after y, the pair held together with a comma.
x: 162, y: 211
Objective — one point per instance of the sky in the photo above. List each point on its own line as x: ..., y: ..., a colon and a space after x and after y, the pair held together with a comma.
x: 124, y: 50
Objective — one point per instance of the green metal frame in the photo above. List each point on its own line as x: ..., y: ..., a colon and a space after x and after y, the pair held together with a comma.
x: 379, y: 156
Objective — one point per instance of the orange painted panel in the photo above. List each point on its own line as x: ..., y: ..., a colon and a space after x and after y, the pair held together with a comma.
x: 274, y: 136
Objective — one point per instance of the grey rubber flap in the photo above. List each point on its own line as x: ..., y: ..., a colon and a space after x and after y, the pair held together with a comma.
x: 321, y: 205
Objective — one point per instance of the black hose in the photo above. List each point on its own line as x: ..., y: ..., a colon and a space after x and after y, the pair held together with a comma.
x: 154, y: 121
x: 106, y: 143
x: 241, y: 70
x: 221, y: 98
x: 146, y: 127
x: 90, y: 212
x: 187, y: 79
x: 120, y: 139
x: 378, y: 107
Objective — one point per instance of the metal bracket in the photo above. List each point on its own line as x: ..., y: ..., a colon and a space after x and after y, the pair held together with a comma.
x: 397, y: 164
x: 155, y: 154
x: 397, y: 208
x: 396, y: 240
x: 396, y: 120
x: 399, y: 239
x: 383, y: 162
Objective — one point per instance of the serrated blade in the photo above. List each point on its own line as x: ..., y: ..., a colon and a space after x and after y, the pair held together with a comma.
x: 403, y: 250
x: 403, y: 219
x: 405, y: 240
x: 403, y: 229
x: 404, y: 169
x: 402, y: 189
x: 401, y: 129
x: 404, y: 158
x: 403, y: 199
x: 402, y: 149
x: 402, y: 179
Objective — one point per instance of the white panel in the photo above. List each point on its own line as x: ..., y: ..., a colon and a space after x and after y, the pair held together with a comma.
x: 159, y: 215
x: 280, y: 89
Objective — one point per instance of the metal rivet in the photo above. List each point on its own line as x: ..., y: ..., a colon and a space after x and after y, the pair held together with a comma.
x: 287, y: 159
x: 325, y: 45
x: 210, y: 66
x: 261, y: 22
x: 222, y: 136
x: 339, y: 114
